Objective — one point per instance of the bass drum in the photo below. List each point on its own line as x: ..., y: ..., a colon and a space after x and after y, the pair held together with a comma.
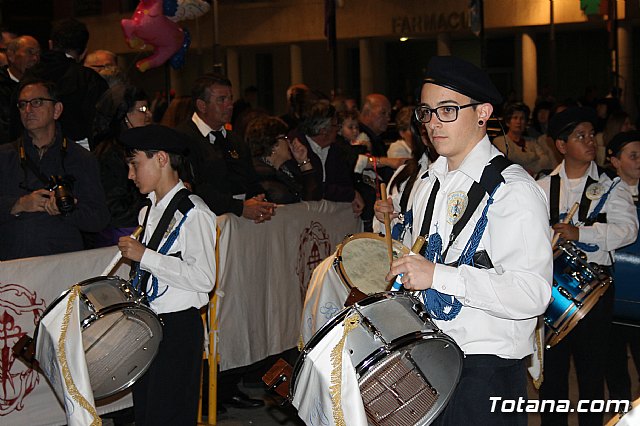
x: 362, y: 261
x: 577, y: 287
x: 119, y: 334
x: 407, y: 369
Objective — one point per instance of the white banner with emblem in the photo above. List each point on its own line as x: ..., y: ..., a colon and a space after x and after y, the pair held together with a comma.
x: 264, y: 272
x: 27, y: 287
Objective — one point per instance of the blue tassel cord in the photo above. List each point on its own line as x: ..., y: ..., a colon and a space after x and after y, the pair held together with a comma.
x: 153, y: 294
x: 442, y: 306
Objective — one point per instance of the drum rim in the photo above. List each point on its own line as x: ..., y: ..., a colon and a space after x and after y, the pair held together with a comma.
x: 572, y: 321
x: 85, y: 324
x: 322, y: 331
x: 64, y: 293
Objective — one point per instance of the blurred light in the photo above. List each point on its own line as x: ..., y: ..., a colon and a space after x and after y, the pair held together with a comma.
x: 404, y: 38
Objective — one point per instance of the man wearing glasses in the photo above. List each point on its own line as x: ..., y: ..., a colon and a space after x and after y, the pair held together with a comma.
x: 37, y: 217
x: 605, y: 221
x: 486, y: 273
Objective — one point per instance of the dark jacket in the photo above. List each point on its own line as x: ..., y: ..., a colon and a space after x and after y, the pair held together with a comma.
x: 79, y: 89
x: 37, y: 233
x: 338, y: 182
x: 10, y: 125
x: 217, y: 175
x: 282, y: 188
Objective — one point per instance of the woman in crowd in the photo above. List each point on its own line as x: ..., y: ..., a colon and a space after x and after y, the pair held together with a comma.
x: 540, y: 119
x: 618, y: 122
x: 403, y: 147
x: 282, y: 166
x: 121, y: 107
x: 519, y: 148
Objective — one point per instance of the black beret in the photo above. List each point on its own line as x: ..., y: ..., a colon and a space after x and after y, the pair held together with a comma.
x: 620, y: 140
x: 154, y: 137
x: 568, y: 119
x: 462, y: 77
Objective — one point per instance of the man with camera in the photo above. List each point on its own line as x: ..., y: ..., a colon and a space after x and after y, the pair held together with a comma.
x: 50, y: 190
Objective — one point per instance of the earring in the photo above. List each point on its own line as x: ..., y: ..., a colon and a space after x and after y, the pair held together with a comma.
x: 480, y: 123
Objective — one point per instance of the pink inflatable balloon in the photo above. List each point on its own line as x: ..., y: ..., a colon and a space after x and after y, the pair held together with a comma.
x: 148, y: 25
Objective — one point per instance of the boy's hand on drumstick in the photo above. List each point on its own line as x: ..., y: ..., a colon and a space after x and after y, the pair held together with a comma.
x: 417, y: 272
x: 130, y: 248
x: 567, y: 231
x: 384, y: 206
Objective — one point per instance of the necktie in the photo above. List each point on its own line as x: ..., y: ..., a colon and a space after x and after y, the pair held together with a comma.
x: 218, y: 135
x: 224, y: 143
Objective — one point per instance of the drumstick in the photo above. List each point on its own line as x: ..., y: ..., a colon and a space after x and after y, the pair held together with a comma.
x: 118, y: 256
x: 567, y: 219
x: 415, y: 249
x: 387, y: 223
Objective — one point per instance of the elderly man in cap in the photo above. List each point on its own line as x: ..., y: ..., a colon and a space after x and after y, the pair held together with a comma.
x: 487, y: 270
x: 605, y: 221
x: 175, y: 268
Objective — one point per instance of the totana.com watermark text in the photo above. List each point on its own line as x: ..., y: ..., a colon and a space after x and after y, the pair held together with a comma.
x: 560, y: 406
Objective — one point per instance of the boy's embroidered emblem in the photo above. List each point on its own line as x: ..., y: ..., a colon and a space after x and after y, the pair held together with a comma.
x: 595, y: 191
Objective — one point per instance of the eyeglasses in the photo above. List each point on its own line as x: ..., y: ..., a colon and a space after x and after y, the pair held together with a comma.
x: 445, y: 113
x: 35, y: 103
x: 143, y: 109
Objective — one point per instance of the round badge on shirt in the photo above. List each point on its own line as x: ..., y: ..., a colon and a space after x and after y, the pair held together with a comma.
x: 595, y: 191
x: 456, y: 205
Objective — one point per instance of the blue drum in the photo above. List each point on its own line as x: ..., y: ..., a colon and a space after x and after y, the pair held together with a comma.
x: 577, y: 287
x: 626, y: 308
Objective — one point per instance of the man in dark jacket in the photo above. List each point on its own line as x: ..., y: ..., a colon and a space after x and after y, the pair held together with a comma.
x: 37, y: 215
x: 223, y: 172
x: 79, y: 87
x: 22, y: 53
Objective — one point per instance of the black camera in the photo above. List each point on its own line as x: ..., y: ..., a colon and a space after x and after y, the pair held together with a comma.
x: 62, y: 188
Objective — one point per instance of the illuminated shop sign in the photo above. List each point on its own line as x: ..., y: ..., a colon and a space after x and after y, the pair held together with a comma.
x: 429, y: 23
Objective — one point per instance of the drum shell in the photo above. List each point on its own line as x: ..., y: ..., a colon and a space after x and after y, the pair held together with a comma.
x: 393, y: 323
x: 626, y: 308
x: 120, y: 335
x: 577, y: 287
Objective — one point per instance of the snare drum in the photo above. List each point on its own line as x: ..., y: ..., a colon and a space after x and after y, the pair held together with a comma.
x: 407, y: 369
x: 577, y: 287
x: 631, y: 418
x: 362, y: 261
x: 119, y: 334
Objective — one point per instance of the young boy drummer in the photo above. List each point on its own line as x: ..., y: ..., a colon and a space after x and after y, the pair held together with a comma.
x: 176, y: 271
x: 605, y: 221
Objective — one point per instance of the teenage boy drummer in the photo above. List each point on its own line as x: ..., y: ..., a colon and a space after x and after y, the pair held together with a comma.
x: 176, y: 271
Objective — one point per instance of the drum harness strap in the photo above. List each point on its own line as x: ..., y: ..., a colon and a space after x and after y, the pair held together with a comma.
x: 443, y: 306
x: 585, y: 203
x: 181, y: 202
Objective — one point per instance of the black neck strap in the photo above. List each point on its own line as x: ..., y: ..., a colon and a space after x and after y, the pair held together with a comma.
x: 491, y: 178
x: 180, y: 201
x: 554, y: 200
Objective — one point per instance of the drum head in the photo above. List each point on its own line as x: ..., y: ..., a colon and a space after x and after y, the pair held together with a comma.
x: 363, y: 261
x: 119, y: 347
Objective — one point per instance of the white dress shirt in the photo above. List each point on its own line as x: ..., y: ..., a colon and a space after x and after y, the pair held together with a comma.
x: 321, y: 152
x: 205, y: 129
x: 500, y: 305
x: 621, y: 228
x: 187, y: 280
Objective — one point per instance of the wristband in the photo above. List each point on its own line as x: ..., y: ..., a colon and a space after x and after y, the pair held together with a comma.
x: 307, y: 161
